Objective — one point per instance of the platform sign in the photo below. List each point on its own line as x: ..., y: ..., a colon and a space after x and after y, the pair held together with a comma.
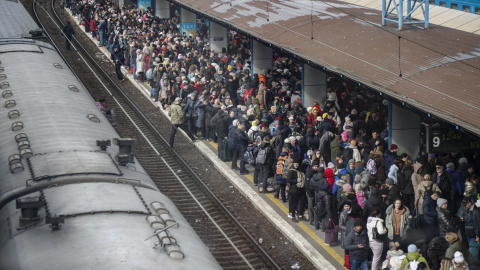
x: 190, y: 28
x: 445, y: 140
x: 144, y: 4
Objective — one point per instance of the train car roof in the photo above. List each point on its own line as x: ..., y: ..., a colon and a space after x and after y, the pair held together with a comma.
x: 15, y: 20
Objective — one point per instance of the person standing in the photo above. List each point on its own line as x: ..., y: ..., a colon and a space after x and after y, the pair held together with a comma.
x: 102, y: 29
x: 118, y: 58
x: 176, y: 115
x: 297, y: 188
x: 397, y: 222
x: 68, y: 33
x: 357, y: 245
x: 375, y: 221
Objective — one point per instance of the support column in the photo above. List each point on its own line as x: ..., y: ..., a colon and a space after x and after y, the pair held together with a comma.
x: 162, y: 9
x: 314, y: 85
x: 188, y: 22
x: 262, y: 57
x: 218, y: 37
x: 404, y: 130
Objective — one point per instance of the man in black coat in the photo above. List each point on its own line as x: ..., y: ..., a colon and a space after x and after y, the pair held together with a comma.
x: 430, y: 217
x: 310, y: 172
x: 118, y: 58
x: 446, y: 183
x: 68, y: 33
x: 296, y: 192
x: 357, y: 244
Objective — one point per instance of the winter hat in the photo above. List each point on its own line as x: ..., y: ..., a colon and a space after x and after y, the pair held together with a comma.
x: 439, y: 163
x: 358, y: 188
x: 450, y: 166
x: 340, y: 166
x: 389, y: 181
x: 353, y: 143
x: 463, y: 161
x: 330, y: 165
x: 280, y: 127
x: 349, y: 203
x: 393, y: 147
x: 325, y: 186
x: 264, y: 124
x: 371, y: 181
x: 432, y: 155
x: 458, y: 257
x: 347, y: 188
x: 234, y: 123
x: 383, y: 192
x: 254, y: 123
x: 321, y: 170
x: 351, y: 161
x: 359, y: 170
x: 451, y: 237
x: 358, y: 222
x: 441, y: 201
x: 412, y: 248
x: 296, y: 158
x: 315, y: 163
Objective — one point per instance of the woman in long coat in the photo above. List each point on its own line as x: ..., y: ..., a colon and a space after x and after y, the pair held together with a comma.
x: 397, y: 231
x: 140, y: 65
x: 199, y: 113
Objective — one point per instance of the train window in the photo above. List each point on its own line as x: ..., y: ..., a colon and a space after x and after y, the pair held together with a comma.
x: 26, y: 153
x: 3, y: 77
x: 13, y: 114
x: 21, y: 137
x: 14, y: 159
x: 4, y: 85
x: 93, y: 118
x: 73, y: 88
x: 10, y: 103
x: 16, y: 167
x: 23, y: 145
x: 7, y: 94
x: 17, y: 126
x: 174, y: 251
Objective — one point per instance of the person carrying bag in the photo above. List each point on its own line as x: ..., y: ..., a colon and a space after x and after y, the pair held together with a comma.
x: 377, y: 234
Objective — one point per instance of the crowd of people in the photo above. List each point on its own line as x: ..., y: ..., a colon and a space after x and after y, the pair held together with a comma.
x: 330, y: 161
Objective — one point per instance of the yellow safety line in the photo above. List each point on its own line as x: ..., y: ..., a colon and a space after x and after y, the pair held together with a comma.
x: 302, y: 225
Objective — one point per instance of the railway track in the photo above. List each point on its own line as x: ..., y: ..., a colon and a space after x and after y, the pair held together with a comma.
x: 228, y: 240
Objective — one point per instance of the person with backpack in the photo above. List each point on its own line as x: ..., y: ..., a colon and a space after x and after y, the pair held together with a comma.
x: 425, y: 189
x: 376, y: 235
x: 376, y: 164
x: 264, y: 159
x: 296, y: 194
x: 281, y: 168
x: 241, y: 144
x: 413, y: 259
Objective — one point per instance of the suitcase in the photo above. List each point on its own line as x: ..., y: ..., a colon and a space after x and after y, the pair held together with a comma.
x: 225, y: 154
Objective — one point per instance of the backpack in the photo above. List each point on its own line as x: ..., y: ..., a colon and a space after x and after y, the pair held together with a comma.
x: 262, y: 156
x: 246, y: 94
x: 412, y: 265
x: 149, y: 74
x: 272, y: 140
x: 248, y: 156
x: 428, y: 192
x: 302, y: 176
x: 372, y: 166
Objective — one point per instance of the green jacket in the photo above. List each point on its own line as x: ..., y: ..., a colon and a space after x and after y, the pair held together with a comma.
x: 412, y: 256
x: 176, y: 113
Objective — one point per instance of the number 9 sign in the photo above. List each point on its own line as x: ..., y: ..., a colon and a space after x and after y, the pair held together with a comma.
x: 436, y: 141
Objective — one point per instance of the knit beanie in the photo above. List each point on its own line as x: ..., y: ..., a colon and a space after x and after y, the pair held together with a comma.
x: 441, y: 201
x: 458, y: 257
x: 347, y: 188
x: 358, y: 222
x: 412, y: 248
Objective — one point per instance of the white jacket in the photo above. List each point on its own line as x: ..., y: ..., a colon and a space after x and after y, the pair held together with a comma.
x: 371, y: 223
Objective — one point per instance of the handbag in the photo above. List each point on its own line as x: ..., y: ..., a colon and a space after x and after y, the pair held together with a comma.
x: 188, y: 115
x: 415, y: 222
x: 376, y: 235
x: 331, y: 233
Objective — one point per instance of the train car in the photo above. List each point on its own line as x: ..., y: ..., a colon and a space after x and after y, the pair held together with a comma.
x: 72, y: 196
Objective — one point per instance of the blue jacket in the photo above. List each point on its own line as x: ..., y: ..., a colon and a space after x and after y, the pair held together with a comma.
x: 351, y: 244
x: 430, y: 211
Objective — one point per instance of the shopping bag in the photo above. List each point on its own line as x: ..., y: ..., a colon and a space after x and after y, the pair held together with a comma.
x: 331, y: 233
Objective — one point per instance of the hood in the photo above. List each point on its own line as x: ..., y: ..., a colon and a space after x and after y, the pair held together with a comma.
x: 373, y: 219
x: 283, y: 154
x: 255, y: 101
x: 317, y: 177
x: 277, y: 132
x: 426, y: 183
x: 340, y: 182
x: 417, y: 167
x: 176, y: 102
x: 328, y: 173
x: 264, y: 145
x: 375, y: 201
x: 255, y: 128
x: 343, y: 171
x: 375, y: 154
x: 412, y: 256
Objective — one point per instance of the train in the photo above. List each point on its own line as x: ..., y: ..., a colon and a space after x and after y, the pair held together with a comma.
x: 72, y: 195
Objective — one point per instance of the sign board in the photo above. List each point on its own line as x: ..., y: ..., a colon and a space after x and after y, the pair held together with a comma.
x: 144, y: 4
x: 445, y: 140
x: 190, y: 28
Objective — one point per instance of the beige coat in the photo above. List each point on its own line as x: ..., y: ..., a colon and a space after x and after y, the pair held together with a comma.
x: 417, y: 178
x: 420, y: 193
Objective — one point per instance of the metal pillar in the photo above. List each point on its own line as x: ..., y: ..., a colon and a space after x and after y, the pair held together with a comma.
x: 218, y: 37
x: 162, y: 9
x: 314, y: 85
x: 188, y: 22
x: 261, y: 57
x: 404, y: 130
x: 392, y: 11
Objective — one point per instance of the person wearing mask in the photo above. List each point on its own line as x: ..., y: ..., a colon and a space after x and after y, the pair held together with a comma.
x: 375, y: 221
x: 397, y: 221
x: 357, y: 245
x: 296, y: 179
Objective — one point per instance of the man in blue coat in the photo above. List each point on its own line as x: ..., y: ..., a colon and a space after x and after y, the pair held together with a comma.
x: 357, y: 243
